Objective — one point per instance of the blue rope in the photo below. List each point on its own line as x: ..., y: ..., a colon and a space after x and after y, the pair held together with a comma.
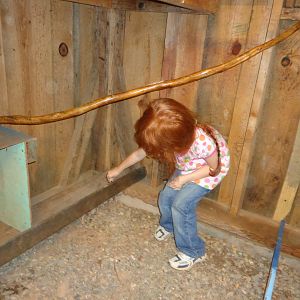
x: 274, y: 265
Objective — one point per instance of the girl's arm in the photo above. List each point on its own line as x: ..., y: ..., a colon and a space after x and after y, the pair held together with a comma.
x: 212, y: 164
x: 132, y: 159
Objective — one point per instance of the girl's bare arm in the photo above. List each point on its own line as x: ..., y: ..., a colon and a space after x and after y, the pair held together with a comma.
x: 130, y: 160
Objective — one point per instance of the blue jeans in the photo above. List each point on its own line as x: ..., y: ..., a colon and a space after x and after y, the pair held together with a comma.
x: 178, y: 215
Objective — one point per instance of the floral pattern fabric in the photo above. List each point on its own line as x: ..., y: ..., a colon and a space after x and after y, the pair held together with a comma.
x: 202, y: 148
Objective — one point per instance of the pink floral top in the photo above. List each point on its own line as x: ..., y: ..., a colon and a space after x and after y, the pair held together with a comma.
x: 202, y: 148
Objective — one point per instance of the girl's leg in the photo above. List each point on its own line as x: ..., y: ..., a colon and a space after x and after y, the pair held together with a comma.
x: 184, y: 220
x: 165, y: 201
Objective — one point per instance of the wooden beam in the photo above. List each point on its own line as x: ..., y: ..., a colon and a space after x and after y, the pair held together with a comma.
x: 246, y: 224
x: 291, y: 182
x: 101, y: 3
x: 257, y: 102
x: 250, y: 226
x: 203, y: 6
x: 290, y: 14
x: 137, y: 5
x: 54, y: 213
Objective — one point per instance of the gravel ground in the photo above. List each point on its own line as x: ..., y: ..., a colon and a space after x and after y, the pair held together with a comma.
x: 111, y: 254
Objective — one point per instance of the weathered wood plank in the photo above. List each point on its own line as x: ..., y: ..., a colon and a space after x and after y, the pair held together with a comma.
x: 294, y: 219
x: 203, y: 6
x: 3, y: 86
x: 226, y: 38
x: 181, y: 56
x: 41, y: 93
x: 117, y: 83
x: 53, y: 214
x: 87, y: 83
x: 7, y: 232
x: 15, y: 17
x: 291, y: 182
x: 290, y: 14
x: 113, y: 149
x: 139, y: 5
x: 102, y: 3
x: 289, y: 3
x: 99, y: 135
x: 124, y: 124
x: 160, y: 7
x: 143, y: 55
x: 257, y: 103
x: 247, y: 80
x: 63, y: 76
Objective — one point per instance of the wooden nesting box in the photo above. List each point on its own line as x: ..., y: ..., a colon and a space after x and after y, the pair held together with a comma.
x: 17, y: 150
x: 55, y: 55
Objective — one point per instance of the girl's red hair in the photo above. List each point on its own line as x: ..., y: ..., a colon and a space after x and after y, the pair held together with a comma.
x: 166, y: 127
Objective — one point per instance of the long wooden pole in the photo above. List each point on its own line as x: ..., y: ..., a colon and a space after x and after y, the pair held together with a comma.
x: 73, y: 112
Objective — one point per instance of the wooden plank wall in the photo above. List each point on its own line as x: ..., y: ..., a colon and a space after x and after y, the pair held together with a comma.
x: 225, y: 100
x: 276, y: 133
x: 253, y: 105
x: 38, y: 80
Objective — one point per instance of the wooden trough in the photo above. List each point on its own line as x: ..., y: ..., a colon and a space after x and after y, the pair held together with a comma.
x: 56, y: 56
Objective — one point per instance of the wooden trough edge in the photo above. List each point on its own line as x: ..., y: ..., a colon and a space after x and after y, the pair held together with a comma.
x: 247, y: 225
x: 43, y: 229
x: 250, y: 226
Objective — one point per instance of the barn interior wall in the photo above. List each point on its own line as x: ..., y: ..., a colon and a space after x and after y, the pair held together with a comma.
x: 112, y: 50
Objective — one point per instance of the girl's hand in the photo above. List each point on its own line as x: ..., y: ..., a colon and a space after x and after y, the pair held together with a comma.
x: 177, y: 183
x: 112, y: 174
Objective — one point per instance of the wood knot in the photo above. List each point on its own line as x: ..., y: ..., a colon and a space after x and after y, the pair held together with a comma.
x: 236, y: 48
x: 141, y: 5
x: 285, y: 61
x: 63, y: 49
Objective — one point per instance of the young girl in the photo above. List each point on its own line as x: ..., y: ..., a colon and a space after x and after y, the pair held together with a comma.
x: 169, y: 132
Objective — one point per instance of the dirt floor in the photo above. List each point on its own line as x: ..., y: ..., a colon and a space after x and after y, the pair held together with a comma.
x: 111, y: 254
